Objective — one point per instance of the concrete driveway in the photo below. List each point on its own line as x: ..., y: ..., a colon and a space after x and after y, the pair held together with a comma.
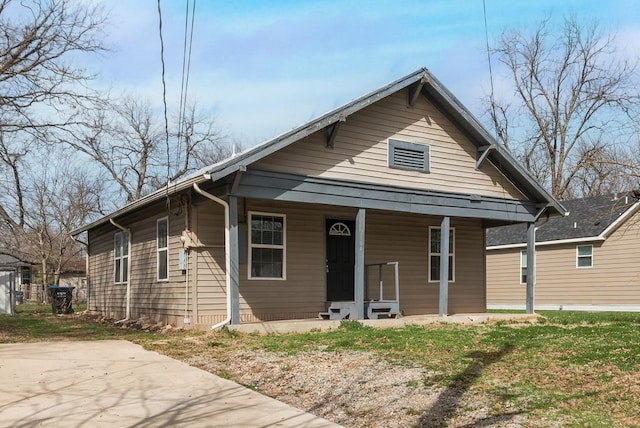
x: 117, y: 383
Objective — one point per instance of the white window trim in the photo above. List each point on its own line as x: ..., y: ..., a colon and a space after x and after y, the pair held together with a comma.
x: 578, y: 256
x: 123, y: 255
x: 523, y: 260
x: 453, y: 255
x: 250, y: 246
x: 158, y: 249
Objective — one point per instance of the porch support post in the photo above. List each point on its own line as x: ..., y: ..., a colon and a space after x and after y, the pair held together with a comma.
x: 359, y: 264
x: 234, y: 256
x: 444, y: 266
x: 531, y: 265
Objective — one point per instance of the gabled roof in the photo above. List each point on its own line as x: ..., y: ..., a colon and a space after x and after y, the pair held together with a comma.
x: 420, y: 82
x: 589, y: 219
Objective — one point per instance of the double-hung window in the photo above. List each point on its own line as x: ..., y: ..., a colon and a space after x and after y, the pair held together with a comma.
x: 584, y: 256
x: 435, y: 244
x: 267, y: 246
x: 121, y: 258
x: 162, y: 240
x: 523, y: 267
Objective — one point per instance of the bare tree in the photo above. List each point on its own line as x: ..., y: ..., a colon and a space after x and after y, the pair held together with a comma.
x: 38, y: 39
x: 39, y: 208
x: 40, y: 89
x: 573, y: 97
x: 62, y: 200
x: 130, y: 143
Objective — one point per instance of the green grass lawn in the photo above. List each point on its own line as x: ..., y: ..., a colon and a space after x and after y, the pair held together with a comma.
x: 581, y: 368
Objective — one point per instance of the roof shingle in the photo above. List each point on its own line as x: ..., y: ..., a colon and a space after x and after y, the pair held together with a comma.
x: 588, y: 217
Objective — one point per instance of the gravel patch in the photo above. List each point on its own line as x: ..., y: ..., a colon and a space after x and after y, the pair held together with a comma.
x: 358, y: 389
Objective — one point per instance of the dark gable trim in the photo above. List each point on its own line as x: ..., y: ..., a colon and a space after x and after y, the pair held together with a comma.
x: 296, y: 188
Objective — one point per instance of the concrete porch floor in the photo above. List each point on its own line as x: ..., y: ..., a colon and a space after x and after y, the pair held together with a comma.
x: 316, y: 324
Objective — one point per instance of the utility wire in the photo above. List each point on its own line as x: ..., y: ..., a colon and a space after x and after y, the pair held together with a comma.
x: 164, y: 94
x: 186, y: 68
x: 486, y: 35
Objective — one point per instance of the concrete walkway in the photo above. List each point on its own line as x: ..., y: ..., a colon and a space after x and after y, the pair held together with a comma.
x: 301, y: 326
x: 119, y: 384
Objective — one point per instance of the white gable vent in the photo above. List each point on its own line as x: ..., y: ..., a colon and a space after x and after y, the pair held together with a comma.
x: 405, y: 155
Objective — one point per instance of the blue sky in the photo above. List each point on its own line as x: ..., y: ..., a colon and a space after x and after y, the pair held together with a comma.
x: 263, y: 67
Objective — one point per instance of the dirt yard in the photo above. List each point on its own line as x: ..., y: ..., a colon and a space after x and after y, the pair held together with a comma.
x: 357, y: 389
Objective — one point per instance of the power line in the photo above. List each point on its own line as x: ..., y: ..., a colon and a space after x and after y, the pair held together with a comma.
x: 486, y: 35
x: 164, y: 93
x: 186, y: 68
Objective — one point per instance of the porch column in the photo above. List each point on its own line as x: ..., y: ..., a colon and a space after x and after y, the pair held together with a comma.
x: 234, y: 254
x: 531, y: 265
x: 359, y: 264
x: 444, y: 266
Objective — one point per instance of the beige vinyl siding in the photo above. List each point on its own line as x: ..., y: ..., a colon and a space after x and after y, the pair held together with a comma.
x: 303, y: 293
x: 404, y: 238
x: 503, y: 278
x: 105, y: 296
x: 360, y: 152
x: 208, y: 255
x: 164, y: 299
x: 389, y: 237
x: 160, y: 301
x: 614, y: 278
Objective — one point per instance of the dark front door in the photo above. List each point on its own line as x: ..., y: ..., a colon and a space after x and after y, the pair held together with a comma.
x: 341, y: 252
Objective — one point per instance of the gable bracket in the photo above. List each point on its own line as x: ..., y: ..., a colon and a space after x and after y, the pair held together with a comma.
x: 415, y: 90
x: 332, y: 130
x: 483, y: 152
x: 236, y: 179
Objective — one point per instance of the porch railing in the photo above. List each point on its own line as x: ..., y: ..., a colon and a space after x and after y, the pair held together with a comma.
x: 381, y: 281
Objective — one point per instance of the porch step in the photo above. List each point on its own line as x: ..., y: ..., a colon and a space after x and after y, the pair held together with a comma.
x: 338, y: 311
x: 382, y: 309
x: 374, y: 310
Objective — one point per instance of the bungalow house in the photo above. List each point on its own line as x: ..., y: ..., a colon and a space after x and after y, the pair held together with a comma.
x: 588, y: 260
x: 345, y: 216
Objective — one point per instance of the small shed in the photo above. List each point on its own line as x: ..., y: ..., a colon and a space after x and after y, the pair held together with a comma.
x: 12, y: 274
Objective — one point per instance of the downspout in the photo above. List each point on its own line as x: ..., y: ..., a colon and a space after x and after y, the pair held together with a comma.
x: 128, y: 299
x: 227, y: 252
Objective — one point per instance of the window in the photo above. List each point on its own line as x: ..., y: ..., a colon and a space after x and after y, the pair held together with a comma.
x: 121, y: 258
x: 162, y: 238
x: 523, y: 267
x: 267, y: 240
x: 411, y: 156
x: 25, y: 274
x: 339, y: 229
x: 584, y: 256
x: 434, y: 254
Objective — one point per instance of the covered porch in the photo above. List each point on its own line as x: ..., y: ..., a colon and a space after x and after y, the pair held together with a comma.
x: 368, y: 203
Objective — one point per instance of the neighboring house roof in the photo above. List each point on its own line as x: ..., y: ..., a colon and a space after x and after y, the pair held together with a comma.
x: 420, y: 82
x: 7, y: 261
x: 589, y: 219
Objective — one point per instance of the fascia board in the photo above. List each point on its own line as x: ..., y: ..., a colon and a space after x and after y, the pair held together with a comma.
x: 620, y: 220
x: 598, y: 238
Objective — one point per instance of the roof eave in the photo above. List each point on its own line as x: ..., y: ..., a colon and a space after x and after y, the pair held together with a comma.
x: 500, y: 157
x: 337, y: 115
x: 168, y: 190
x: 598, y: 238
x: 620, y: 220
